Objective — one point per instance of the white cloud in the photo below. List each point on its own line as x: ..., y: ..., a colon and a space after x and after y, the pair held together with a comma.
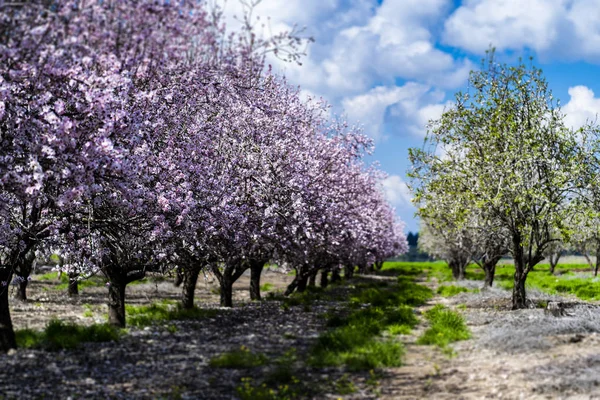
x: 405, y: 108
x: 396, y: 191
x: 553, y: 28
x: 582, y: 107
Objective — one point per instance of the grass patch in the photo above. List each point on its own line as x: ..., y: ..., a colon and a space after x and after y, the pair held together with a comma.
x: 446, y: 327
x: 248, y: 391
x: 240, y: 358
x: 354, y: 338
x: 266, y: 287
x: 452, y: 290
x: 60, y: 335
x: 140, y: 316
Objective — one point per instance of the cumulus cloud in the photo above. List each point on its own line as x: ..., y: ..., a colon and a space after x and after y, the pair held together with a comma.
x: 396, y: 191
x: 582, y: 107
x: 554, y: 28
x: 402, y: 109
x: 363, y: 49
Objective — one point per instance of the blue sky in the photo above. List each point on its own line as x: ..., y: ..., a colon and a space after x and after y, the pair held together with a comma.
x: 391, y: 65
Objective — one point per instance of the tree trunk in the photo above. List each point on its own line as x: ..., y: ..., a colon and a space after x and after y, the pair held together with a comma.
x: 335, y: 274
x: 256, y: 269
x: 519, y: 297
x: 190, y: 278
x: 302, y: 283
x: 312, y: 279
x: 490, y: 272
x: 116, y: 302
x: 597, y: 261
x: 23, y: 270
x: 348, y: 271
x: 22, y: 290
x: 179, y: 274
x: 292, y: 286
x: 226, y: 289
x: 379, y: 265
x: 589, y: 260
x: 73, y: 289
x: 554, y: 262
x: 324, y: 278
x: 7, y: 334
x: 489, y: 267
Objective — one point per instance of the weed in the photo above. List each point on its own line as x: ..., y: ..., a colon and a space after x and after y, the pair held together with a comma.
x: 240, y: 358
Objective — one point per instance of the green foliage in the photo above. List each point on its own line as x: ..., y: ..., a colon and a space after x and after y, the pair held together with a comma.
x: 446, y: 327
x: 240, y: 358
x: 61, y: 335
x: 156, y: 313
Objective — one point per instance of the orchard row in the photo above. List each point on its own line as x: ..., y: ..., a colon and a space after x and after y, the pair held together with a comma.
x: 140, y: 136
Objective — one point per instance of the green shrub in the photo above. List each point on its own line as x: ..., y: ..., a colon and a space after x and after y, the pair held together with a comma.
x: 241, y: 358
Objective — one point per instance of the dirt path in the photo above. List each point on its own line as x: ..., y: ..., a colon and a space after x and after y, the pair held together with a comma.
x: 525, y: 354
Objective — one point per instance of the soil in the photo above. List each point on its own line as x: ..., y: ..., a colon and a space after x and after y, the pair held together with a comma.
x: 525, y: 354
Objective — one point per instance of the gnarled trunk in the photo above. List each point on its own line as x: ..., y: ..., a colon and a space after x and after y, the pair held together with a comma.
x: 348, y: 271
x: 490, y: 272
x: 324, y: 278
x: 489, y: 268
x: 118, y: 279
x: 23, y: 270
x: 302, y: 283
x: 116, y: 302
x: 335, y: 274
x: 190, y: 279
x: 519, y: 297
x: 256, y: 268
x: 597, y: 261
x: 73, y: 289
x: 554, y: 261
x: 22, y: 290
x: 312, y: 279
x: 7, y: 334
x: 226, y: 291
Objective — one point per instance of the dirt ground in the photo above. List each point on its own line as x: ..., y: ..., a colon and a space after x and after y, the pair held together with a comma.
x: 525, y: 354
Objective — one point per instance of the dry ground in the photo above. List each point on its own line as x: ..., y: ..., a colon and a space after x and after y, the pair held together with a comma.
x: 525, y: 354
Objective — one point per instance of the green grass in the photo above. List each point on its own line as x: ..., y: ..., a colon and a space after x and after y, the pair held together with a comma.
x: 140, y: 316
x: 446, y: 327
x: 354, y: 338
x: 248, y: 391
x: 266, y: 287
x: 240, y: 358
x: 452, y: 290
x: 60, y: 335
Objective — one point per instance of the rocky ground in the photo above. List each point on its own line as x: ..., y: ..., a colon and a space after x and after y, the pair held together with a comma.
x: 527, y: 354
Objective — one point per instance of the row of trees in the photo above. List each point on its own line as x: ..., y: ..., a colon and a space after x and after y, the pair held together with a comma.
x: 501, y: 173
x: 143, y: 135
